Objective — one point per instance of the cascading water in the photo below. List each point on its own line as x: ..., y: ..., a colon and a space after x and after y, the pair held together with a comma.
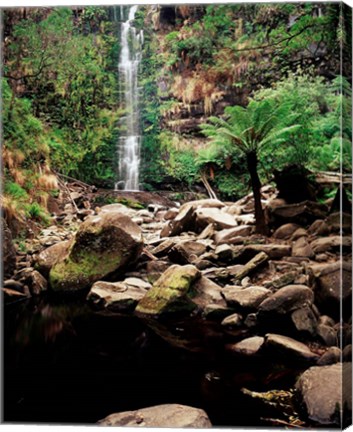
x: 131, y: 42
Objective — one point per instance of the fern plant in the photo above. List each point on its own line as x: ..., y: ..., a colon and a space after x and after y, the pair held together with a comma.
x: 250, y: 130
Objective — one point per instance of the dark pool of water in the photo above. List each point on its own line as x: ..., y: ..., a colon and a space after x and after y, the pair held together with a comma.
x: 64, y: 363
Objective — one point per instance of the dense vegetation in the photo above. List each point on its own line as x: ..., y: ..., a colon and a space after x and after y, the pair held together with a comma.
x: 201, y: 64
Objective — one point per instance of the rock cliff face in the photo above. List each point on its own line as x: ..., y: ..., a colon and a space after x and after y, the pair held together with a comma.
x: 199, y: 59
x: 205, y: 69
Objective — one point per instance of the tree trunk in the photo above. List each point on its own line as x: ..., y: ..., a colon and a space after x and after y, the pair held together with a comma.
x: 261, y: 226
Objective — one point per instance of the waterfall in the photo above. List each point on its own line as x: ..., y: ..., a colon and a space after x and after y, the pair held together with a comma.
x: 129, y: 143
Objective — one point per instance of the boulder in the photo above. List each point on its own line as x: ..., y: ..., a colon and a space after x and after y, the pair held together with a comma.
x: 102, y: 246
x: 227, y: 236
x: 186, y: 252
x: 207, y: 293
x: 171, y: 214
x: 224, y: 253
x: 248, y: 298
x: 319, y: 227
x: 185, y: 219
x: 300, y: 232
x: 233, y: 320
x: 247, y: 347
x: 304, y: 320
x: 38, y: 283
x: 285, y: 231
x: 160, y: 416
x: 327, y: 335
x: 301, y: 248
x: 322, y: 395
x: 8, y: 250
x: 163, y: 248
x: 333, y: 285
x: 302, y: 213
x: 180, y: 223
x: 334, y: 243
x: 289, y: 349
x: 287, y: 299
x: 273, y: 251
x: 45, y: 260
x: 117, y: 208
x: 331, y: 356
x: 172, y: 293
x: 115, y: 297
x: 207, y: 233
x: 221, y: 220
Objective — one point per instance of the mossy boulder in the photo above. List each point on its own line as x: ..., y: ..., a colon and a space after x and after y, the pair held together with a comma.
x: 102, y: 247
x: 172, y: 293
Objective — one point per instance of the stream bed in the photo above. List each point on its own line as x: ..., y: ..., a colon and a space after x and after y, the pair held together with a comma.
x: 65, y: 363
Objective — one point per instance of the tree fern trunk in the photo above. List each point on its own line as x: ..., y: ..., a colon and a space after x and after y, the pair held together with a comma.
x: 261, y: 226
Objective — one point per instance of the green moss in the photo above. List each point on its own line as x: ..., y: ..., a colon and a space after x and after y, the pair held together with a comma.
x: 171, y: 293
x: 87, y: 268
x: 130, y: 203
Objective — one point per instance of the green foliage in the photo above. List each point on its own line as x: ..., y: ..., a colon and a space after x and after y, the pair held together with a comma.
x: 251, y: 129
x: 178, y: 162
x: 231, y: 185
x: 15, y: 190
x: 67, y: 66
x: 36, y: 212
x: 319, y: 107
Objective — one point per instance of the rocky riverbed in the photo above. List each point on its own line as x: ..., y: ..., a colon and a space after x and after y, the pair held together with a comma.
x: 266, y: 310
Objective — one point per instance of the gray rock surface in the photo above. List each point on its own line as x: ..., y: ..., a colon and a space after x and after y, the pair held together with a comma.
x: 287, y: 299
x: 160, y: 416
x: 249, y: 297
x: 248, y: 347
x: 115, y: 297
x: 320, y: 389
x: 290, y: 349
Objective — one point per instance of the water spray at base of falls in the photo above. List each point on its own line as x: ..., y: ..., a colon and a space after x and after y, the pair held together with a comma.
x: 131, y: 42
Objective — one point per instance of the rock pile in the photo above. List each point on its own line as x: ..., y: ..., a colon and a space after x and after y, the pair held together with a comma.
x: 276, y: 300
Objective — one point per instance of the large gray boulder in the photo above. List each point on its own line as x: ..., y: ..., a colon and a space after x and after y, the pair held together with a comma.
x: 221, y: 220
x: 102, y: 246
x: 228, y: 236
x: 289, y: 349
x: 185, y: 219
x: 160, y: 416
x: 333, y: 286
x: 287, y: 299
x: 116, y: 297
x: 248, y: 298
x: 325, y: 394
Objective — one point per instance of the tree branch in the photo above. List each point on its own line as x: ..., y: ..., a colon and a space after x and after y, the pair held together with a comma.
x: 42, y: 65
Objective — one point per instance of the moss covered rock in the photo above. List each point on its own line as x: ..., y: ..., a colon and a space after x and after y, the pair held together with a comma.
x: 102, y: 246
x: 171, y: 293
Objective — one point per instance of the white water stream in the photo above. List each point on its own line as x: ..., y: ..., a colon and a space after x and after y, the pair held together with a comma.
x: 131, y: 42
